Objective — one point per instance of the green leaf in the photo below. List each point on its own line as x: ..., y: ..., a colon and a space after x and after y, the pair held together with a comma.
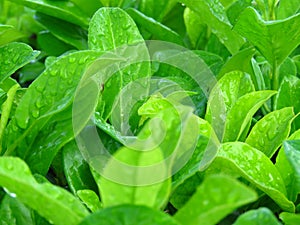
x: 14, y: 212
x: 242, y: 112
x: 13, y: 57
x: 130, y: 184
x: 216, y: 197
x: 213, y: 14
x: 268, y: 133
x: 8, y: 34
x: 76, y: 169
x: 290, y: 218
x: 67, y: 32
x: 45, y: 198
x: 90, y: 199
x: 6, y: 110
x: 287, y: 8
x: 158, y: 30
x: 149, y: 8
x: 288, y: 94
x: 196, y: 29
x: 224, y: 96
x: 128, y: 215
x: 63, y: 10
x: 45, y: 98
x: 287, y: 164
x: 109, y: 27
x: 255, y: 167
x: 259, y: 216
x: 275, y: 40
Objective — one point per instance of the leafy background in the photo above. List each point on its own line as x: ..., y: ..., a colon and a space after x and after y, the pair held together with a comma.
x: 251, y: 173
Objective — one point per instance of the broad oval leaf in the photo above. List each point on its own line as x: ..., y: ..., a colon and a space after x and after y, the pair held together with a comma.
x: 45, y: 198
x: 13, y: 57
x: 216, y: 197
x: 269, y: 132
x: 128, y: 215
x: 275, y: 40
x: 242, y: 112
x: 257, y: 168
x: 261, y: 216
x: 290, y: 218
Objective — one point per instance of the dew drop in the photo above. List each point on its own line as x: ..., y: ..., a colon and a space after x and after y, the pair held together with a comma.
x: 53, y: 72
x: 72, y: 60
x: 11, y: 194
x: 35, y: 113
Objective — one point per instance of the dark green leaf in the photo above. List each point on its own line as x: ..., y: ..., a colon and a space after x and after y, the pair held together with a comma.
x: 216, y: 197
x: 67, y: 32
x: 45, y: 198
x: 268, y: 133
x: 261, y: 216
x: 13, y: 57
x: 129, y: 215
x: 76, y: 169
x: 158, y: 30
x: 64, y: 10
x: 275, y: 40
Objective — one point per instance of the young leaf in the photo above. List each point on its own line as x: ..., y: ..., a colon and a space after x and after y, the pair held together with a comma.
x: 216, y: 197
x: 213, y: 14
x: 13, y: 57
x: 45, y: 198
x: 128, y: 215
x: 261, y: 216
x: 255, y: 167
x: 90, y: 199
x: 242, y: 112
x: 64, y: 10
x: 269, y: 132
x: 275, y: 40
x: 287, y: 164
x: 158, y: 30
x: 224, y: 96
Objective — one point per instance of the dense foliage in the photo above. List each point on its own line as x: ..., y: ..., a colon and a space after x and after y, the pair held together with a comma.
x: 198, y: 100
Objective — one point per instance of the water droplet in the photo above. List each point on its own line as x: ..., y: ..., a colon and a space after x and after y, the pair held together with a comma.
x: 11, y: 194
x: 39, y: 103
x: 72, y: 60
x: 6, y: 62
x: 108, y: 84
x: 53, y: 72
x: 35, y: 113
x: 39, y: 88
x: 16, y: 58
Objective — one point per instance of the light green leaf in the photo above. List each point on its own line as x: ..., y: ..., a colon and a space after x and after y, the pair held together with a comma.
x: 90, y: 199
x: 275, y: 40
x: 288, y: 166
x: 158, y: 30
x: 255, y: 167
x: 213, y: 14
x: 45, y: 198
x: 261, y: 216
x: 129, y: 215
x: 224, y: 96
x: 13, y: 57
x: 8, y: 34
x: 287, y: 8
x: 290, y: 218
x: 216, y: 197
x: 268, y: 133
x: 242, y: 112
x: 64, y: 10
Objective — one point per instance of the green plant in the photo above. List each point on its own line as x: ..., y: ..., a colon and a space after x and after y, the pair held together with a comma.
x: 114, y: 112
